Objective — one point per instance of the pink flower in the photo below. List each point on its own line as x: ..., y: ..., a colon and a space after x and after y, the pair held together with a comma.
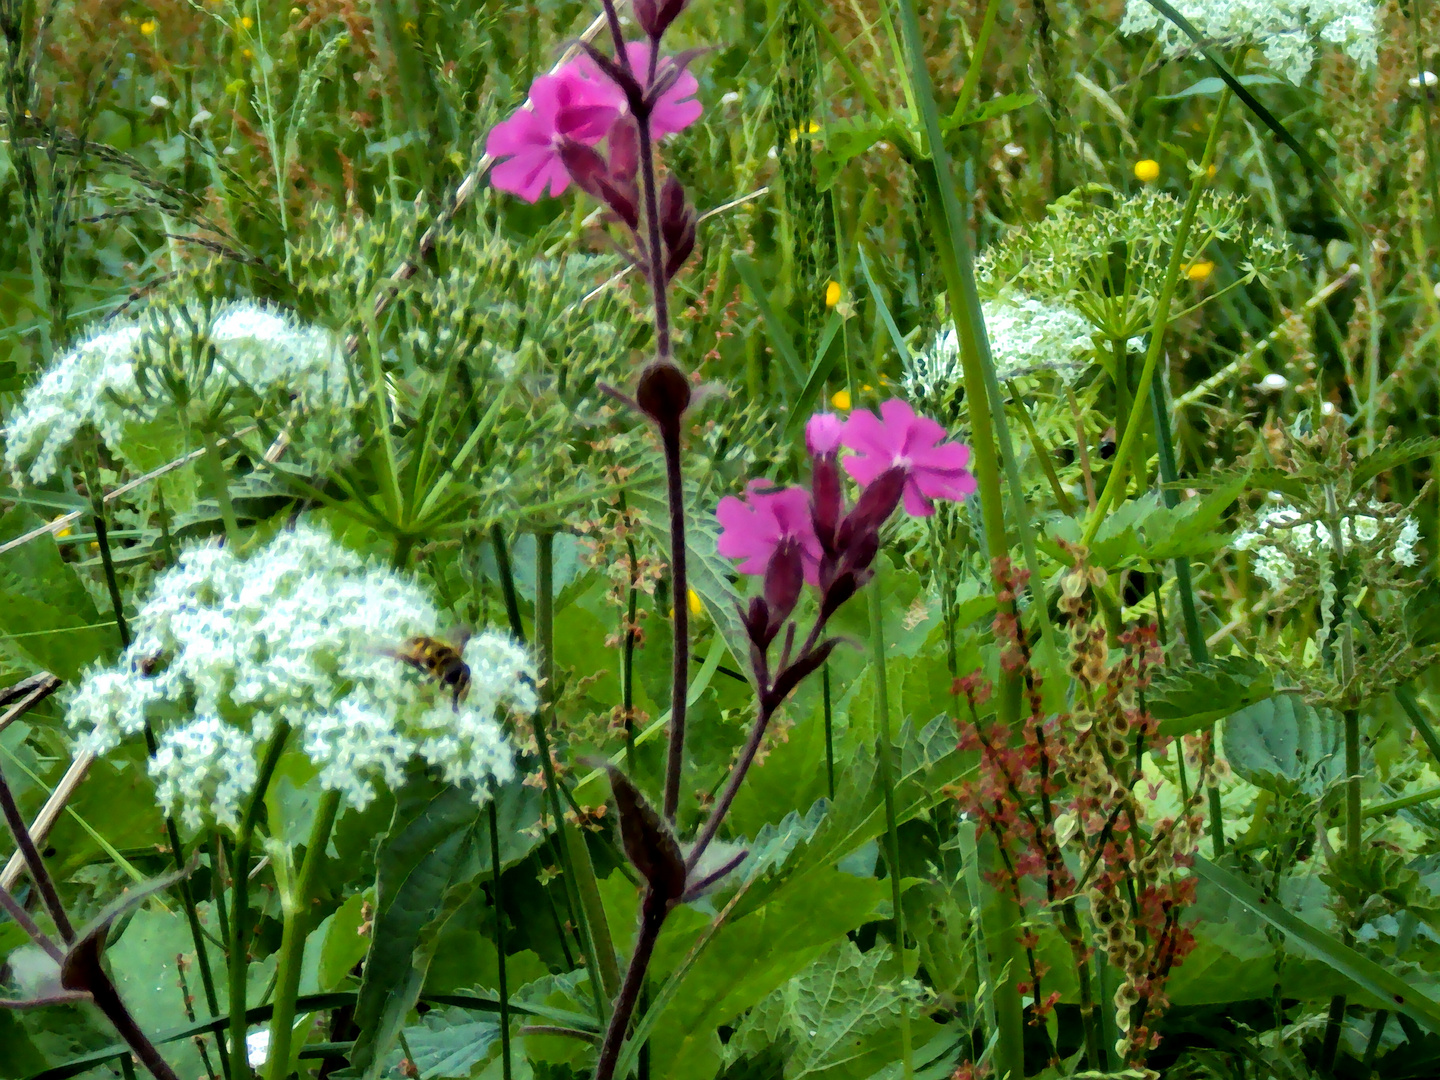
x: 823, y: 433
x: 897, y: 437
x: 677, y: 108
x: 753, y: 527
x: 563, y: 105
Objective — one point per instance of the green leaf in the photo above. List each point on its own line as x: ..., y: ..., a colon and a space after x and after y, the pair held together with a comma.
x: 1213, y: 84
x: 46, y: 613
x: 1389, y: 990
x: 420, y: 861
x: 1392, y: 456
x: 839, y: 1016
x: 1190, y: 698
x: 1283, y: 745
x: 448, y: 1043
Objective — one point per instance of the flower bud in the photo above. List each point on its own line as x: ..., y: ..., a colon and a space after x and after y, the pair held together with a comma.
x: 784, y: 577
x: 825, y: 501
x: 663, y: 394
x: 655, y: 16
x: 677, y: 225
x: 822, y: 433
x: 874, y: 507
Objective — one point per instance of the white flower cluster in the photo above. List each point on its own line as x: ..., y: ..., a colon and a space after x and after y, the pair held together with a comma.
x: 1286, y: 30
x: 227, y: 648
x: 1027, y: 335
x: 258, y: 350
x: 1280, y: 536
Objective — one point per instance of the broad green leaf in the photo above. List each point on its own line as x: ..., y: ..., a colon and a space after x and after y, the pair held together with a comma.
x: 1388, y: 989
x: 1389, y: 457
x: 1283, y: 745
x: 420, y: 861
x: 1189, y: 698
x: 449, y: 1042
x: 342, y: 945
x: 46, y: 613
x: 839, y: 1017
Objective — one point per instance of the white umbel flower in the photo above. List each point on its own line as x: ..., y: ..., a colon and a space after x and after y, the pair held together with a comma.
x: 1027, y: 335
x: 1279, y: 537
x: 258, y: 350
x: 1285, y: 30
x: 227, y: 648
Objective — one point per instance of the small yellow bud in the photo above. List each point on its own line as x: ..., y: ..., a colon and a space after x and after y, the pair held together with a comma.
x: 794, y: 134
x: 867, y: 387
x: 696, y: 607
x: 1210, y: 172
x: 247, y: 22
x: 246, y: 53
x: 1200, y: 271
x: 814, y: 127
x: 841, y: 400
x: 408, y: 26
x: 1147, y: 171
x: 832, y: 293
x: 60, y: 534
x: 147, y: 27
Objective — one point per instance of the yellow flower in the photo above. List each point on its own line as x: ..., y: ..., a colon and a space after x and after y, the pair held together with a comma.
x: 1200, y: 271
x: 1210, y: 172
x: 408, y: 26
x: 832, y: 293
x: 841, y: 400
x: 247, y: 22
x: 246, y: 53
x: 696, y: 607
x: 147, y: 27
x: 1147, y: 170
x: 811, y: 128
x: 60, y: 534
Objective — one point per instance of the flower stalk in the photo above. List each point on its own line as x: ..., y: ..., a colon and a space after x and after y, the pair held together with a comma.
x: 295, y: 898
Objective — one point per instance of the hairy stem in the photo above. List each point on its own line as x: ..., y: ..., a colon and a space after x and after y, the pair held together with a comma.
x: 295, y: 907
x: 107, y: 999
x: 215, y: 466
x: 44, y: 883
x: 652, y: 917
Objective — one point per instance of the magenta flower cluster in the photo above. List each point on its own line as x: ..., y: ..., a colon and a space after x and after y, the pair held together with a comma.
x: 796, y: 536
x: 581, y: 106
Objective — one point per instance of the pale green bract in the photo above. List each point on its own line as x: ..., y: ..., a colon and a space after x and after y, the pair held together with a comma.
x: 259, y: 351
x: 1285, y: 30
x: 296, y: 632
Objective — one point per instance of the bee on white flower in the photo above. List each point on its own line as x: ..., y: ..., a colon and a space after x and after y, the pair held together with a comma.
x: 227, y: 649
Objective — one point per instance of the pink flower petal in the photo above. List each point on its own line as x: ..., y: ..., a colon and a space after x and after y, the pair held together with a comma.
x: 916, y: 505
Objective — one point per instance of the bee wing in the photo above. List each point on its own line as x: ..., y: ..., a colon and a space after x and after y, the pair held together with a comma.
x: 458, y: 636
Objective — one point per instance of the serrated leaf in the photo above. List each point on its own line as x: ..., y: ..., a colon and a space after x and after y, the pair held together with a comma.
x: 449, y: 1042
x: 1283, y: 745
x: 1187, y: 699
x: 1392, y: 456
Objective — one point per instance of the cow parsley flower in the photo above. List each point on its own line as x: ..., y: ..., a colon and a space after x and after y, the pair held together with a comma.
x: 122, y: 375
x: 1285, y: 30
x: 1027, y: 335
x: 225, y: 649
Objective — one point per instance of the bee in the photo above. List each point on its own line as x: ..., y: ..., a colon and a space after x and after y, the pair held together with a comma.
x: 442, y: 660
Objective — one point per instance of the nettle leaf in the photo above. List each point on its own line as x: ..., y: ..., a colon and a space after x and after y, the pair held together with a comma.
x: 1190, y: 698
x: 1390, y: 457
x: 1283, y: 745
x: 421, y: 861
x: 839, y: 1016
x: 449, y: 1042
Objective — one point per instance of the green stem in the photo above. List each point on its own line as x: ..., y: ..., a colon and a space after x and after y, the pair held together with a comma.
x: 884, y: 758
x: 1189, y: 613
x: 215, y: 466
x: 1115, y: 483
x: 507, y: 583
x: 829, y: 731
x: 240, y: 903
x: 1354, y: 817
x: 504, y: 988
x: 957, y: 262
x: 295, y: 914
x: 570, y: 865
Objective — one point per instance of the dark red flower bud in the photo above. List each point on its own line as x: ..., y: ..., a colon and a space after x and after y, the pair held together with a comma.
x: 624, y: 144
x: 663, y: 394
x: 784, y: 578
x: 874, y: 507
x: 681, y: 250
x: 826, y: 500
x: 655, y: 16
x: 672, y: 209
x: 584, y: 164
x: 757, y: 619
